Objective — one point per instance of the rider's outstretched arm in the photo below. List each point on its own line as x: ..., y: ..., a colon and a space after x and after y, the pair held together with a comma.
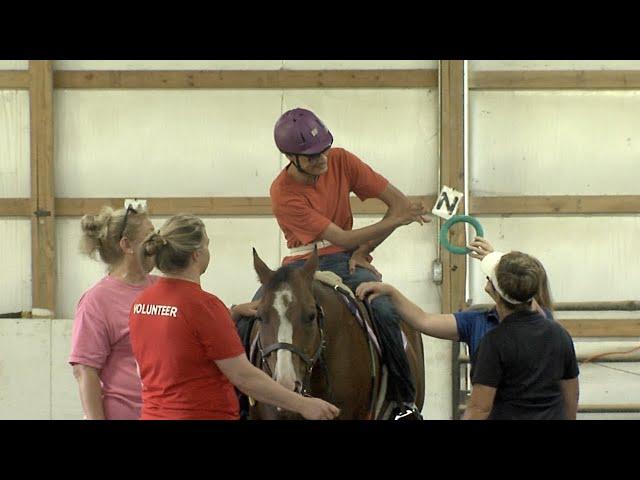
x: 352, y: 239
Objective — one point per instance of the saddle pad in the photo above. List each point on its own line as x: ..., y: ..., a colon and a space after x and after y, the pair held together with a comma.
x: 332, y: 280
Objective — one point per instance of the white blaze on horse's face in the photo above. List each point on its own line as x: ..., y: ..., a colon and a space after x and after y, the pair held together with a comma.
x: 285, y: 372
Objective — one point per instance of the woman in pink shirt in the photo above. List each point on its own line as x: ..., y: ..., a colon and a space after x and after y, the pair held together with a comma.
x: 101, y: 355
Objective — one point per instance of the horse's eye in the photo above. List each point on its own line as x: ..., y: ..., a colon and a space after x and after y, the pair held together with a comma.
x: 311, y: 317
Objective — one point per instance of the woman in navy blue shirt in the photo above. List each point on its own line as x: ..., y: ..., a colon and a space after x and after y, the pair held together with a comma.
x: 468, y: 326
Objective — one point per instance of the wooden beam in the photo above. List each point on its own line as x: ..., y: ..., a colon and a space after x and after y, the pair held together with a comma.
x: 621, y: 305
x: 602, y: 328
x: 209, y: 205
x: 42, y: 188
x: 583, y: 205
x: 452, y: 175
x: 606, y: 327
x: 614, y: 358
x: 555, y: 80
x: 15, y: 207
x: 555, y: 204
x: 206, y: 205
x: 14, y: 79
x: 598, y: 408
x: 171, y: 206
x: 185, y: 79
x: 609, y: 408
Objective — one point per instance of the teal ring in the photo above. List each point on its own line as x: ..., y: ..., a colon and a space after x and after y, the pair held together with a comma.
x: 444, y: 238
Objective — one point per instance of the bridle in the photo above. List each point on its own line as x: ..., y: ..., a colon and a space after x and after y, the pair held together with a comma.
x: 310, y: 362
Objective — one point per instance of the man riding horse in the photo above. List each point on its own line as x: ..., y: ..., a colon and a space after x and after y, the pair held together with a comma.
x: 310, y: 200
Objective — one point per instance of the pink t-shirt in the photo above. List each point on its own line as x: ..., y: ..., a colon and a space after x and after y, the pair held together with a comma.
x: 100, y: 339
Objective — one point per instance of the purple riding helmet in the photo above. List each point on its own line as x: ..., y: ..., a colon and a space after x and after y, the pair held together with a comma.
x: 301, y: 132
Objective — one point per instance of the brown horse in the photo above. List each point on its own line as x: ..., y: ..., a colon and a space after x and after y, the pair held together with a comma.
x: 309, y: 341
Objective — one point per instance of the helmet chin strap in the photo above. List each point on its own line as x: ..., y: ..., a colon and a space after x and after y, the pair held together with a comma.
x: 296, y: 163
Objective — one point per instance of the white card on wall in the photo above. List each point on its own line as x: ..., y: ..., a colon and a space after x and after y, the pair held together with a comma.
x: 137, y: 203
x: 447, y: 203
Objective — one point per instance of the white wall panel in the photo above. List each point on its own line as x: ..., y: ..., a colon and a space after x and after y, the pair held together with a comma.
x: 75, y: 272
x: 609, y: 383
x: 231, y: 275
x: 479, y: 65
x: 586, y: 258
x: 554, y: 143
x: 14, y: 64
x: 165, y: 143
x: 15, y: 258
x: 404, y: 260
x: 65, y: 397
x: 394, y: 131
x: 174, y: 143
x: 15, y: 162
x: 25, y: 372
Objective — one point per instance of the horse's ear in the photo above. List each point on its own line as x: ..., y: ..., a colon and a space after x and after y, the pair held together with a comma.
x: 264, y: 272
x: 311, y: 265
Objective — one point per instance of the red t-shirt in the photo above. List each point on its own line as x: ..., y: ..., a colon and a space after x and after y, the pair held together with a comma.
x: 305, y: 211
x: 177, y: 330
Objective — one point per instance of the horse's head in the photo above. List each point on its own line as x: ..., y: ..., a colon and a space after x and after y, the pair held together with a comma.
x: 291, y: 332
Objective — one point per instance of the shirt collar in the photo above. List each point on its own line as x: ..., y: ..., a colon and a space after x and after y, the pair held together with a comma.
x: 522, y: 316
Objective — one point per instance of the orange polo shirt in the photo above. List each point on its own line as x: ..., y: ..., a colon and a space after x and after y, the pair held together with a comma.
x: 305, y: 211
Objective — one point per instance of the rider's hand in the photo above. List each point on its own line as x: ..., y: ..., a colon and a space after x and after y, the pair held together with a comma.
x: 411, y: 212
x: 318, y: 409
x: 359, y: 258
x: 373, y: 290
x: 480, y: 248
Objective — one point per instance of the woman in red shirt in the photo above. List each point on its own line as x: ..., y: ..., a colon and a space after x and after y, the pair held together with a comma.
x: 185, y: 343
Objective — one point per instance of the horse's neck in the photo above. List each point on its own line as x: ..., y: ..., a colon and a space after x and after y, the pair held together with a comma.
x: 333, y: 307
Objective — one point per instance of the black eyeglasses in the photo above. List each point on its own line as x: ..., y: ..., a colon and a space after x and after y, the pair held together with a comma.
x: 316, y: 158
x: 124, y: 224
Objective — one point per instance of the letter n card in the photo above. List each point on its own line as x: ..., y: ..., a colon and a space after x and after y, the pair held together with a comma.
x: 447, y: 203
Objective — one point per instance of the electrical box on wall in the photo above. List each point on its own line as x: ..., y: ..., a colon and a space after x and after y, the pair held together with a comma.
x: 436, y: 272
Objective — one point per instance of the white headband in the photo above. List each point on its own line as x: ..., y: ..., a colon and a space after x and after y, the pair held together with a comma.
x: 488, y: 266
